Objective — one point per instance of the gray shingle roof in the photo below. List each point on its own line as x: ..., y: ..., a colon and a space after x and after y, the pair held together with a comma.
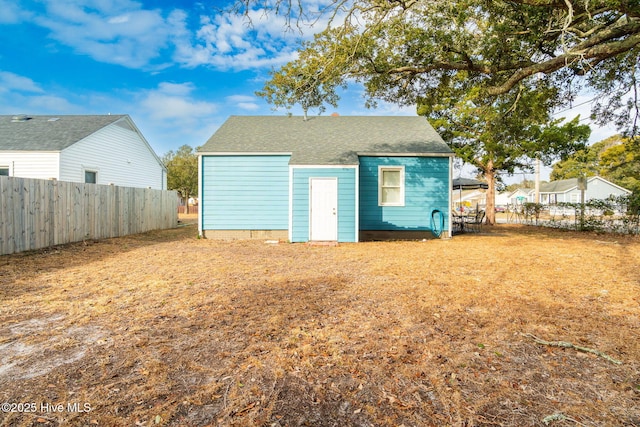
x: 49, y: 133
x: 327, y: 139
x: 559, y: 186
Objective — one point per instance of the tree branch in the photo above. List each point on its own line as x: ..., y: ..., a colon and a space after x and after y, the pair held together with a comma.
x: 564, y: 344
x: 453, y: 66
x: 596, y: 52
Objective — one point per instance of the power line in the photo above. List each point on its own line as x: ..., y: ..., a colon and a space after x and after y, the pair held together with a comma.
x: 575, y: 106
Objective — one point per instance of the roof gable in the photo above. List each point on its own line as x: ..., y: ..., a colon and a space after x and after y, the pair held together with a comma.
x: 520, y: 192
x: 327, y: 139
x: 49, y: 133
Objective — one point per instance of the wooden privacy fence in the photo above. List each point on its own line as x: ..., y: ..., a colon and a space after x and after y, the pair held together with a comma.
x: 38, y: 213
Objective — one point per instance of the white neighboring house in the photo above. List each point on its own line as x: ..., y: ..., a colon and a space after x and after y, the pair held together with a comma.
x: 566, y: 190
x: 502, y: 199
x: 98, y: 149
x: 469, y: 199
x: 520, y: 196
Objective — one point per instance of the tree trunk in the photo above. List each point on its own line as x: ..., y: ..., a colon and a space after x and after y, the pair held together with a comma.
x: 490, y: 207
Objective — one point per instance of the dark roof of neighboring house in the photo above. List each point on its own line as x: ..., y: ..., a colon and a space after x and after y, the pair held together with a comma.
x: 332, y: 140
x: 559, y: 186
x: 49, y: 133
x: 565, y: 185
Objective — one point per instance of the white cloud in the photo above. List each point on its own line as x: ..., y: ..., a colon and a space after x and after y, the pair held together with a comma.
x: 122, y: 19
x: 50, y: 104
x: 119, y: 32
x: 10, y: 12
x: 232, y: 42
x: 126, y: 33
x: 248, y: 106
x: 244, y: 102
x: 173, y: 104
x: 171, y: 116
x: 176, y: 89
x: 14, y: 82
x: 20, y: 94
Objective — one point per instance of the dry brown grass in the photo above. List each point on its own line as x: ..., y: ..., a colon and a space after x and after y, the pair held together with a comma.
x: 167, y: 329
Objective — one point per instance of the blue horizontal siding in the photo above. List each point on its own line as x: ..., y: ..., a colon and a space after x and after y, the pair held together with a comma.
x: 245, y: 192
x: 426, y: 189
x: 346, y: 201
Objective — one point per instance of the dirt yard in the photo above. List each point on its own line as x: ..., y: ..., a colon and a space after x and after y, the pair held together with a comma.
x: 167, y: 329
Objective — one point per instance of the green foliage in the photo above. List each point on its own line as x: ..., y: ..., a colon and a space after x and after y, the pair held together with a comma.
x: 527, y: 184
x: 487, y: 74
x: 506, y: 133
x: 306, y: 82
x: 182, y: 171
x: 616, y: 159
x: 532, y: 210
x: 618, y: 214
x: 404, y: 51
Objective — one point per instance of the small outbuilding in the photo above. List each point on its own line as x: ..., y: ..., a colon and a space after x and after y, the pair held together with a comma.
x: 334, y: 178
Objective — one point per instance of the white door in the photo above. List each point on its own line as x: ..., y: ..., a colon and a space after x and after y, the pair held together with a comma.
x: 323, y: 206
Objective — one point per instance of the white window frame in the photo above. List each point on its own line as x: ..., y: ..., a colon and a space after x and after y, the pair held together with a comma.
x: 381, y: 170
x: 84, y: 175
x: 8, y: 168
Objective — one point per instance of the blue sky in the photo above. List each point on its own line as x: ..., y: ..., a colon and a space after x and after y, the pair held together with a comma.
x: 178, y: 68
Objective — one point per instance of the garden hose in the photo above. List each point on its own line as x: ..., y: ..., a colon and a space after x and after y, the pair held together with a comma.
x: 437, y: 232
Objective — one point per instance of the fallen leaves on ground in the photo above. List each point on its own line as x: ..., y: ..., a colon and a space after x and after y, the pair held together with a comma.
x: 164, y: 328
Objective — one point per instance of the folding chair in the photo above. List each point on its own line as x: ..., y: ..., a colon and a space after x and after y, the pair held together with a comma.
x: 474, y: 224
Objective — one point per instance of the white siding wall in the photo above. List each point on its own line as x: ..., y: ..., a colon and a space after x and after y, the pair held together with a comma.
x: 598, y: 189
x: 31, y: 164
x: 118, y: 155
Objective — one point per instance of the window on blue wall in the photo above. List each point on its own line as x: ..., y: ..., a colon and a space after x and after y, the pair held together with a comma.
x: 391, y: 186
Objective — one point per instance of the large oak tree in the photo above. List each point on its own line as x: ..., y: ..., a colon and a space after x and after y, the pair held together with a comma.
x: 402, y: 48
x: 487, y: 73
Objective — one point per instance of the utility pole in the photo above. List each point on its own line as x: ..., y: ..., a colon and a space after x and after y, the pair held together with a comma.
x: 536, y: 199
x: 582, y: 186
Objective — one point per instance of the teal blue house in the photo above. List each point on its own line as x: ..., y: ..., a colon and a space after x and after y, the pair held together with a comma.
x: 333, y: 178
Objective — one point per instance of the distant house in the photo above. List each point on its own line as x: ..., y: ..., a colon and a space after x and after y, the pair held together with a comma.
x: 324, y: 179
x: 99, y: 149
x: 567, y: 190
x: 503, y: 199
x: 519, y: 196
x: 467, y: 200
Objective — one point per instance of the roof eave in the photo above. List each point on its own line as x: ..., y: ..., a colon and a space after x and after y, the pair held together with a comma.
x: 243, y: 153
x: 30, y: 151
x: 395, y: 154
